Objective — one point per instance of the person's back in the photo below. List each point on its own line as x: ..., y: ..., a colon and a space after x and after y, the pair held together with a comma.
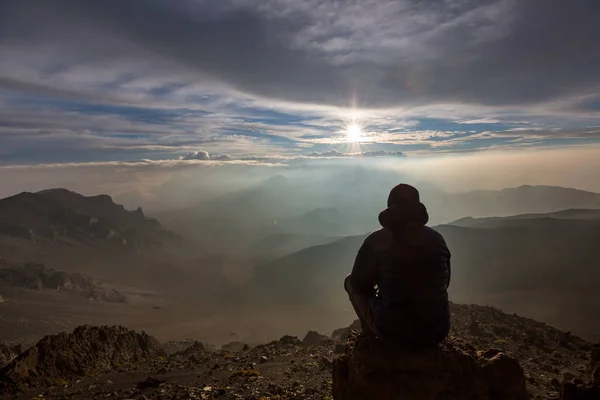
x: 410, y: 265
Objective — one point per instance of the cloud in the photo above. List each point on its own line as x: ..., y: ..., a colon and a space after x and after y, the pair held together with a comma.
x: 376, y: 153
x: 222, y: 157
x: 385, y: 52
x: 115, y: 80
x: 203, y: 155
x: 330, y: 153
x: 197, y: 155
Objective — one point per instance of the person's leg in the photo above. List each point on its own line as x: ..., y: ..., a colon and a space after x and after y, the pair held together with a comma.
x: 363, y: 308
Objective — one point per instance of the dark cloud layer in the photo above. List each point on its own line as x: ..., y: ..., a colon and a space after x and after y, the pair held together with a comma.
x: 503, y: 52
x: 110, y: 80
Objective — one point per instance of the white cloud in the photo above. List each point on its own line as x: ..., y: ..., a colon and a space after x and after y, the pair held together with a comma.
x: 197, y: 155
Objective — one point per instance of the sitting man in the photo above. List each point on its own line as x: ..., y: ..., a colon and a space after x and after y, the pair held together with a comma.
x: 399, y: 283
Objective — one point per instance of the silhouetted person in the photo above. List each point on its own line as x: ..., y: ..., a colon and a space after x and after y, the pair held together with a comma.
x: 399, y: 283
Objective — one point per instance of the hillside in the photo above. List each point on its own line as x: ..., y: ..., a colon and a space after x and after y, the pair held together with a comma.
x: 512, y: 201
x: 542, y: 268
x: 62, y: 216
x: 347, y: 204
x: 524, y: 220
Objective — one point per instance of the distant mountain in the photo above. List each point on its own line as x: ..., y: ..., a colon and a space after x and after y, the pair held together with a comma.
x: 512, y: 201
x: 358, y: 195
x: 541, y: 267
x: 593, y: 216
x: 63, y: 216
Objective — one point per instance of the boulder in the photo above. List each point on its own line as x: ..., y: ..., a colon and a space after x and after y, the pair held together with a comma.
x: 289, y: 340
x: 475, y: 329
x: 314, y: 338
x: 88, y: 350
x: 574, y: 390
x: 343, y: 333
x: 233, y: 347
x: 595, y: 365
x: 371, y: 369
x: 8, y: 353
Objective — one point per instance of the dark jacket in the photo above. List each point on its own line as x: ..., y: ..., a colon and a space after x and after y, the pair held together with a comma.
x: 410, y: 265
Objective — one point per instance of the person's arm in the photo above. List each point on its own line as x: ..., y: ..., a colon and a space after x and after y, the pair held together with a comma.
x: 364, y: 271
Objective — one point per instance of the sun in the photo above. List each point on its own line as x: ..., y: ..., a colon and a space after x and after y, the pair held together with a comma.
x: 354, y: 133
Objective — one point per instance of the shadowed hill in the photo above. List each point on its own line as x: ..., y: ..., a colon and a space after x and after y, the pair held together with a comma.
x: 520, y: 200
x: 59, y: 215
x: 580, y: 215
x: 542, y: 268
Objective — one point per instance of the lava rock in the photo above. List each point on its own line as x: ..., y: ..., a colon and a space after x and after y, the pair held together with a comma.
x: 290, y: 340
x: 89, y: 349
x: 574, y: 391
x: 371, y: 369
x: 313, y: 338
x: 234, y: 347
x: 595, y: 365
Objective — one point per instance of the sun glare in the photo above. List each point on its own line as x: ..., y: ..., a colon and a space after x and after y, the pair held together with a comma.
x: 354, y: 133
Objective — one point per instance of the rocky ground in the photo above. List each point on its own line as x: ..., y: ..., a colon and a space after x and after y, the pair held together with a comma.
x: 127, y: 365
x: 36, y: 276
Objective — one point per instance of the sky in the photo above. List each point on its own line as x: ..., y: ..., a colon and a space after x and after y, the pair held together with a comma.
x: 244, y: 81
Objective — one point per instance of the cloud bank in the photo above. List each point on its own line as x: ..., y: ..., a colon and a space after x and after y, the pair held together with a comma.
x: 84, y: 80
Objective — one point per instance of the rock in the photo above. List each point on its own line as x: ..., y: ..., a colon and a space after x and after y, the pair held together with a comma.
x: 339, y: 349
x: 287, y: 340
x: 475, y: 329
x: 314, y: 338
x: 554, y: 382
x: 337, y: 334
x: 88, y: 350
x: 595, y: 365
x: 371, y: 369
x: 233, y: 347
x: 343, y: 333
x: 37, y: 277
x: 8, y: 353
x: 580, y: 391
x: 574, y: 391
x: 150, y: 383
x: 196, y: 347
x: 564, y: 339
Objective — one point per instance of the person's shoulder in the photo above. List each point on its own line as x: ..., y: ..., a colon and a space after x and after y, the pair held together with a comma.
x: 380, y: 239
x: 435, y: 238
x: 432, y: 233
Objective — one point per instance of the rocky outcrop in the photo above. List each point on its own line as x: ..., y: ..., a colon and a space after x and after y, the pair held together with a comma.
x: 314, y: 338
x: 88, y: 350
x: 371, y: 369
x: 578, y: 390
x: 8, y: 353
x: 342, y: 333
x: 37, y: 277
x: 595, y: 365
x: 63, y: 216
x: 234, y: 346
x: 290, y: 340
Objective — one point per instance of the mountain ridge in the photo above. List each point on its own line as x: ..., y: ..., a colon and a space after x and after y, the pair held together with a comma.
x: 61, y: 215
